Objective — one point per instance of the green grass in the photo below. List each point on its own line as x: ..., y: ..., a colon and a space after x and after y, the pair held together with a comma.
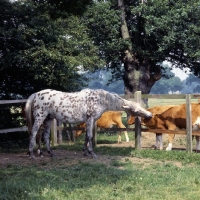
x: 120, y: 180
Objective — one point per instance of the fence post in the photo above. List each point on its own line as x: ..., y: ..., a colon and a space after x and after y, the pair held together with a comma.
x: 54, y: 132
x: 94, y: 134
x: 188, y: 124
x: 138, y: 124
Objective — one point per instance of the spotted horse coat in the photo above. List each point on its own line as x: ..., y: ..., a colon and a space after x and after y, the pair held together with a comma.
x: 84, y: 106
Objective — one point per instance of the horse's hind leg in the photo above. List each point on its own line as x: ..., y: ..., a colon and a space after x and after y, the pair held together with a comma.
x: 39, y: 141
x: 47, y: 126
x: 32, y: 142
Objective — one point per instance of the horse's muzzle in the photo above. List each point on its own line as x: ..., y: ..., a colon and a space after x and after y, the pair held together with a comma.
x: 149, y: 116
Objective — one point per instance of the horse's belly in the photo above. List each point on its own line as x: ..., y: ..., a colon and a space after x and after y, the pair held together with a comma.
x: 69, y: 118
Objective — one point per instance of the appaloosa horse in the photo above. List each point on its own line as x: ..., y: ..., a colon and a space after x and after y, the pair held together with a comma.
x: 84, y: 106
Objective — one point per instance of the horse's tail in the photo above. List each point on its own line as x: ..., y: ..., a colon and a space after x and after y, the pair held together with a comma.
x: 29, y: 112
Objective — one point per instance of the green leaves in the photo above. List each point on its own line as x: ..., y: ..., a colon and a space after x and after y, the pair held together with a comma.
x: 43, y: 52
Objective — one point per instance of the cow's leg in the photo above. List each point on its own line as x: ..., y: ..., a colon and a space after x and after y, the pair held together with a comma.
x: 47, y: 127
x: 119, y: 137
x: 159, y: 141
x: 120, y: 125
x: 170, y: 140
x: 197, y: 143
x: 126, y: 136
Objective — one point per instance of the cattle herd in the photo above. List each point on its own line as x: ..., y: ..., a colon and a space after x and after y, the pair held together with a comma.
x: 172, y: 118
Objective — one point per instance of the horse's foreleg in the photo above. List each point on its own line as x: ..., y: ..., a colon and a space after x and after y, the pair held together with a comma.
x: 85, y: 149
x: 90, y: 124
x: 47, y: 126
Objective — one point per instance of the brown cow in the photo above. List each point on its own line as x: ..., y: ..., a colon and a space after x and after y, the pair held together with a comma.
x: 107, y: 120
x: 175, y: 117
x: 153, y: 110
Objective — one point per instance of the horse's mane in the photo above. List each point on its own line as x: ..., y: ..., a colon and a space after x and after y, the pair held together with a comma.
x: 113, y: 100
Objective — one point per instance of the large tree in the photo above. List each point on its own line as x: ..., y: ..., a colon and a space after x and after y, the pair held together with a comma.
x: 136, y: 36
x: 42, y: 46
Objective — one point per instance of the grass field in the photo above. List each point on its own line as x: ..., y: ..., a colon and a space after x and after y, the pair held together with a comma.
x: 120, y: 173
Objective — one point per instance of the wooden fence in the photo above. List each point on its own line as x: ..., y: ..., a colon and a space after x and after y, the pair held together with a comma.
x: 137, y: 97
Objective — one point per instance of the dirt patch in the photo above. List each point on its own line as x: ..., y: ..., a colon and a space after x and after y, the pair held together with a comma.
x: 68, y: 158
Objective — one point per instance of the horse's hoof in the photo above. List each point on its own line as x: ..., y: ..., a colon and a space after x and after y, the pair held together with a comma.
x: 53, y: 155
x: 32, y: 158
x: 94, y: 156
x: 86, y: 153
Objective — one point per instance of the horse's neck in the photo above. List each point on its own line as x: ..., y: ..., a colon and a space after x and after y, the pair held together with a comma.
x: 116, y: 106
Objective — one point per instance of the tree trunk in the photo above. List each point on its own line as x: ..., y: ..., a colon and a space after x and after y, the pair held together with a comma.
x: 137, y: 76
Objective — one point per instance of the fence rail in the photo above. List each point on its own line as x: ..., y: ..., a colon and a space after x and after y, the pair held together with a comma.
x: 137, y: 97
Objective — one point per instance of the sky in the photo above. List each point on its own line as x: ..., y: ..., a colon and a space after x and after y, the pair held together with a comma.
x: 182, y: 74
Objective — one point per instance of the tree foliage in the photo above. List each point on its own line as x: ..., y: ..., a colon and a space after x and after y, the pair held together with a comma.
x: 38, y: 51
x: 46, y: 43
x: 156, y: 31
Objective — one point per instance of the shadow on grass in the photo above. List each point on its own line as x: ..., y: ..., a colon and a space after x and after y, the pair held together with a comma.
x: 57, y: 181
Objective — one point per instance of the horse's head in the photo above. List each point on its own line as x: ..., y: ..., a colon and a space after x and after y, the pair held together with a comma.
x: 136, y: 109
